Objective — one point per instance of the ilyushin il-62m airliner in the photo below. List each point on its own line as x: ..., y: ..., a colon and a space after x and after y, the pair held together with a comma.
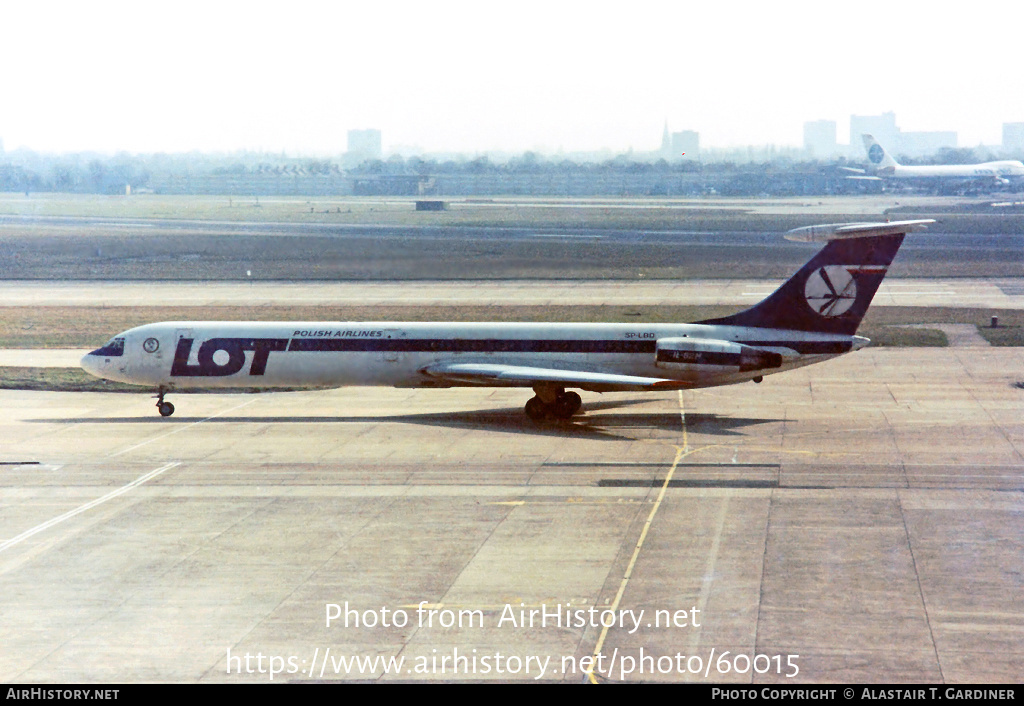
x: 812, y: 317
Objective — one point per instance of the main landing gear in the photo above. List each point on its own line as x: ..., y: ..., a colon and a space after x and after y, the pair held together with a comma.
x: 166, y: 408
x: 552, y: 402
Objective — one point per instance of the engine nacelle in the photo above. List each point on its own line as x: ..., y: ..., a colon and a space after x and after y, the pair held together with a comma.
x: 696, y: 353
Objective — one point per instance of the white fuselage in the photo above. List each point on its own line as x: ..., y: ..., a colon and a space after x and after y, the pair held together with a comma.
x: 188, y: 354
x: 988, y: 170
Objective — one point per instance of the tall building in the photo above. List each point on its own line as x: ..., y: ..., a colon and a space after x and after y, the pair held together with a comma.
x: 666, y: 143
x: 895, y: 141
x: 820, y: 138
x: 1013, y: 137
x: 686, y: 142
x: 883, y: 127
x: 364, y: 144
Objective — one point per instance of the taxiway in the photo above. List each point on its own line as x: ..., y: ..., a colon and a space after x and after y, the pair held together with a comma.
x: 1000, y: 293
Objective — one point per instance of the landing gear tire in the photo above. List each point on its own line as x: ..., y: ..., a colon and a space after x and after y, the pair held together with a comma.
x: 566, y: 405
x: 536, y: 409
x: 166, y: 409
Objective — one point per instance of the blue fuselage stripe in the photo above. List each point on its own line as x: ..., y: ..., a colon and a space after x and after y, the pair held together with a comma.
x: 488, y: 345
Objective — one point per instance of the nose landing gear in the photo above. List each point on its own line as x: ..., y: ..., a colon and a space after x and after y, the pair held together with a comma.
x: 166, y: 408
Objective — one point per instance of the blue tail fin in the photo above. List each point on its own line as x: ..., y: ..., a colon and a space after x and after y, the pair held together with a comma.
x: 832, y: 292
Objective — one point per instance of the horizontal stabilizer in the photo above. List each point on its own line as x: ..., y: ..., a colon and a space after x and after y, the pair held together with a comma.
x: 841, y: 231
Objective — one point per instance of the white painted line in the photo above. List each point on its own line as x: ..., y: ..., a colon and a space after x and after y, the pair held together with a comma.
x: 187, y: 426
x: 88, y: 506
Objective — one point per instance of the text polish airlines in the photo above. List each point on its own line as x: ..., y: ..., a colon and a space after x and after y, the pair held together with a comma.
x: 997, y: 173
x: 812, y: 317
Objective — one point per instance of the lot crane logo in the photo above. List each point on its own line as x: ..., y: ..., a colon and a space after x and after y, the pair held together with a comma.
x: 876, y: 154
x: 831, y: 290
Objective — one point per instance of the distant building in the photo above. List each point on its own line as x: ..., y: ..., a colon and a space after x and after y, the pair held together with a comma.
x: 1013, y: 137
x: 920, y: 144
x: 364, y: 144
x: 686, y: 142
x: 883, y: 127
x: 820, y: 138
x: 897, y: 142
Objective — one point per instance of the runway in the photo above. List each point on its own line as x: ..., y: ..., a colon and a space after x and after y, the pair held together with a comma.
x: 998, y: 293
x: 714, y: 241
x: 855, y: 521
x: 750, y: 227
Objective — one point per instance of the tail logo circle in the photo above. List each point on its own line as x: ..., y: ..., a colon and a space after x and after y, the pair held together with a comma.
x: 831, y: 290
x: 876, y: 153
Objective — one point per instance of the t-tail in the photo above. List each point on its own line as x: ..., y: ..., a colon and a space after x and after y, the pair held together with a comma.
x: 832, y: 292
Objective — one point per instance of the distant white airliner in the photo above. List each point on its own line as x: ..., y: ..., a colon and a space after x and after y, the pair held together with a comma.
x: 811, y: 318
x: 883, y: 166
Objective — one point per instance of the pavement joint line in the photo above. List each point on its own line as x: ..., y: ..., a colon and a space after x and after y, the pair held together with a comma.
x: 681, y: 453
x: 920, y: 587
x: 87, y: 506
x: 709, y: 570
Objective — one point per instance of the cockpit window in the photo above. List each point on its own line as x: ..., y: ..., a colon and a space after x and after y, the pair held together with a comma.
x: 113, y: 349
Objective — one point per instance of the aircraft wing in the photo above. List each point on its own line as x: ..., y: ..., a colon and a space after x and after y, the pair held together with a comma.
x: 527, y: 376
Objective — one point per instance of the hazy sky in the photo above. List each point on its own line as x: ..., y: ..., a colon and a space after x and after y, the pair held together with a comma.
x: 471, y: 76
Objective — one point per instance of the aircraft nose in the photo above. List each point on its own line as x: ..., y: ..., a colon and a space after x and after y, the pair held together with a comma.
x: 92, y: 364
